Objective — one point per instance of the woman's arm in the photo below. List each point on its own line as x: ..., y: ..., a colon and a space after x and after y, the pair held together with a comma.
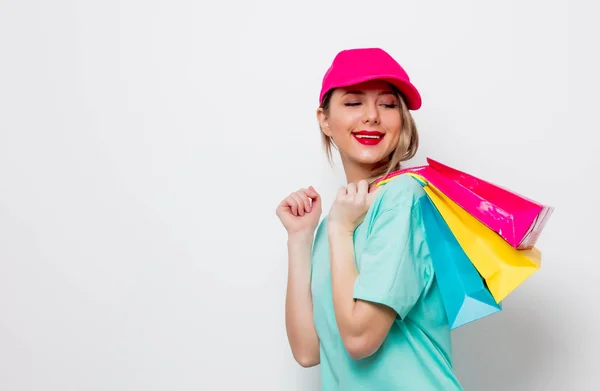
x: 394, y: 267
x: 300, y: 326
x: 363, y: 325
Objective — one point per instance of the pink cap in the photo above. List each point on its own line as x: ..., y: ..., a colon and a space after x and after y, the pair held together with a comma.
x: 355, y: 66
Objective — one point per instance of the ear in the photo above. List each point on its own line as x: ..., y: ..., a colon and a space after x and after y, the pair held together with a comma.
x: 323, y: 121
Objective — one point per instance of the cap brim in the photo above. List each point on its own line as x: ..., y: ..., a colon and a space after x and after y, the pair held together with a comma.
x: 409, y: 91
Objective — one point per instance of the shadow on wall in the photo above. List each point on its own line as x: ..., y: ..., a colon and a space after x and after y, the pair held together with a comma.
x: 512, y: 350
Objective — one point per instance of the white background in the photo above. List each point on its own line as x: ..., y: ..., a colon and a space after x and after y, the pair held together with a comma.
x: 144, y: 146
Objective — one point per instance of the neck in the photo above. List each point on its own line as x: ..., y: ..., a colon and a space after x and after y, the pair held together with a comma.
x: 356, y: 171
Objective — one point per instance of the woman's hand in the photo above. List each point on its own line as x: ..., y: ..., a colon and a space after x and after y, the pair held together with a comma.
x: 300, y: 211
x: 350, y: 207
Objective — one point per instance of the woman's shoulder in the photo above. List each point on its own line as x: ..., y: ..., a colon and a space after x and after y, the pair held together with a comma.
x: 400, y: 191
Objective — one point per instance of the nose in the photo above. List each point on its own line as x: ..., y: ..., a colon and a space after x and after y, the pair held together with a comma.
x: 371, y: 113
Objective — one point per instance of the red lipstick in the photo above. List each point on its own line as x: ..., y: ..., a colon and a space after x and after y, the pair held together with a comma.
x: 368, y: 137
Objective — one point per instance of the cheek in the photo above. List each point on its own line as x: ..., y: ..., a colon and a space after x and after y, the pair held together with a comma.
x: 393, y: 124
x: 341, y: 125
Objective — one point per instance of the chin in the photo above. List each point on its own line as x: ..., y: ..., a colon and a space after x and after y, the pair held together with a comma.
x: 369, y: 157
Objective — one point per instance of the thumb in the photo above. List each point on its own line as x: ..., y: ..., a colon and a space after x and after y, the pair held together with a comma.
x: 316, y: 198
x: 312, y: 192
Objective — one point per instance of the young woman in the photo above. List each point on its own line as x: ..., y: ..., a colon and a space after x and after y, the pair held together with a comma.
x: 362, y: 299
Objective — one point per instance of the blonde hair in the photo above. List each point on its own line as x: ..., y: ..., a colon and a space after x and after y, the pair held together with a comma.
x: 407, y: 146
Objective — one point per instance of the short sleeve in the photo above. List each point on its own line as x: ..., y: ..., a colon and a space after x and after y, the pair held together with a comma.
x: 394, y: 267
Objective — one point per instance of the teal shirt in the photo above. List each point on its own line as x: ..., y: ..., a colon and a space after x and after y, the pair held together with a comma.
x: 394, y: 268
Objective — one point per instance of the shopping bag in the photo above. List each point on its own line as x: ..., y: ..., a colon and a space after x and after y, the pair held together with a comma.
x: 502, y: 266
x: 464, y: 294
x: 517, y: 219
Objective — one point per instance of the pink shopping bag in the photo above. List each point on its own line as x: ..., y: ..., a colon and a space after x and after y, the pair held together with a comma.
x: 517, y: 219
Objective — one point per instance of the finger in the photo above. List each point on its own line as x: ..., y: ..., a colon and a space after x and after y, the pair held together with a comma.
x: 316, y: 198
x: 292, y: 204
x: 352, y: 189
x: 284, y: 204
x: 362, y: 188
x: 282, y: 208
x: 341, y: 192
x: 312, y: 193
x: 299, y: 202
x: 305, y: 199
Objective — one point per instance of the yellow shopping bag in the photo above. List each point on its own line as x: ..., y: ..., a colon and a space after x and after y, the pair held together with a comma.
x: 502, y: 266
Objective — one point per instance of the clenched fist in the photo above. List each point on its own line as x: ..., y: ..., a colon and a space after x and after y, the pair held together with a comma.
x: 300, y: 211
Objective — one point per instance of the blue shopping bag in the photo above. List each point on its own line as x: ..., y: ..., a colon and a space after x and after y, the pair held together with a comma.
x: 464, y: 293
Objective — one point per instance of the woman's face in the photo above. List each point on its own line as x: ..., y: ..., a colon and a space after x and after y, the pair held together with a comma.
x: 364, y: 121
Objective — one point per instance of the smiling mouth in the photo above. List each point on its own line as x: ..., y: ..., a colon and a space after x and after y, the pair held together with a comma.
x: 366, y: 137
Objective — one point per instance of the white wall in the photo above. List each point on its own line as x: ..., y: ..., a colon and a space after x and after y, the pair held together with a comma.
x: 144, y: 146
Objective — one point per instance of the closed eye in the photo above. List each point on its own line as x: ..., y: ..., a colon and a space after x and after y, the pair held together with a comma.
x: 387, y: 106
